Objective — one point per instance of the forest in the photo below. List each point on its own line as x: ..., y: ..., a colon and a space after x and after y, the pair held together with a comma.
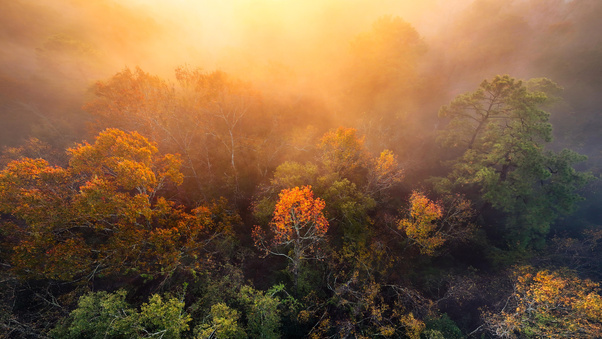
x: 300, y: 169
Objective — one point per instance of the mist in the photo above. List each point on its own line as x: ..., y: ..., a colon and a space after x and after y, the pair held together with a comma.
x: 54, y: 51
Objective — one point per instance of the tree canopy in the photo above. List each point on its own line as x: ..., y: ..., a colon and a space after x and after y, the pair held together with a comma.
x: 499, y: 133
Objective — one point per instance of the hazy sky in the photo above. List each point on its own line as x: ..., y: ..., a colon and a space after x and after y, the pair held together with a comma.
x: 64, y: 46
x: 277, y: 29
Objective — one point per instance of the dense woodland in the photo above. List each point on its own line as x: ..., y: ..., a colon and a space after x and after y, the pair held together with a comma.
x: 393, y: 184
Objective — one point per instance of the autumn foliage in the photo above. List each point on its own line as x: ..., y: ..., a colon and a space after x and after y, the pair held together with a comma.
x: 300, y: 173
x: 429, y: 224
x: 102, y: 214
x: 298, y: 219
x: 298, y: 210
x: 298, y: 227
x: 421, y: 226
x: 549, y: 304
x: 343, y: 151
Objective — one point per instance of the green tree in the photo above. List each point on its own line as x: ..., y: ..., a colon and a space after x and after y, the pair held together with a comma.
x: 263, y: 316
x: 499, y: 133
x: 223, y: 322
x: 441, y: 328
x: 108, y: 315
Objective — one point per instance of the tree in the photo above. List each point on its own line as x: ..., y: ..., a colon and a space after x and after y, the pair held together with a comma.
x: 343, y: 155
x: 500, y: 132
x: 104, y: 213
x: 421, y: 224
x: 132, y: 101
x: 548, y: 304
x: 298, y: 227
x: 384, y: 67
x: 386, y: 89
x: 384, y: 173
x: 223, y: 323
x: 430, y: 224
x: 346, y: 176
x: 238, y: 310
x: 343, y: 152
x: 362, y: 305
x: 108, y: 315
x: 125, y: 161
x: 223, y: 102
x: 263, y: 315
x: 204, y: 117
x: 349, y: 206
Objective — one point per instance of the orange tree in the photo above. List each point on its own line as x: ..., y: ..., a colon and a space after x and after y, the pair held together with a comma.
x: 298, y: 228
x: 103, y: 214
x: 349, y: 179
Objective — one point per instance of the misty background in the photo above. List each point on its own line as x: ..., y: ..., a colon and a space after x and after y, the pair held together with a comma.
x: 323, y: 52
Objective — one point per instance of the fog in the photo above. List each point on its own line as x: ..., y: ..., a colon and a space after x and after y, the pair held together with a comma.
x: 53, y: 51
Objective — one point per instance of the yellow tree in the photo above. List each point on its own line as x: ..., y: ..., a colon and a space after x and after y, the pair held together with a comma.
x: 429, y: 225
x: 298, y: 228
x: 342, y: 151
x: 103, y: 212
x: 343, y: 154
x: 549, y: 304
x: 383, y: 173
x: 421, y: 225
